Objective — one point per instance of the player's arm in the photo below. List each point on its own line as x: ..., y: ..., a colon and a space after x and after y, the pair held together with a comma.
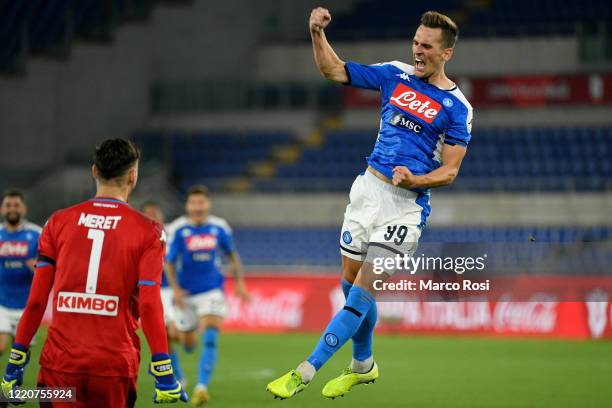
x: 237, y: 272
x: 151, y: 310
x: 226, y: 243
x: 178, y: 292
x: 29, y: 323
x: 37, y: 301
x: 327, y: 61
x: 442, y: 176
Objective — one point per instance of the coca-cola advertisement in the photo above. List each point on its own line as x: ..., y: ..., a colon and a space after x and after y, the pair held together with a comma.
x: 305, y: 303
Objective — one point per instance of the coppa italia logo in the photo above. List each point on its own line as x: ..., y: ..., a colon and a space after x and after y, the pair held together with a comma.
x: 415, y: 103
x: 201, y: 242
x: 13, y: 248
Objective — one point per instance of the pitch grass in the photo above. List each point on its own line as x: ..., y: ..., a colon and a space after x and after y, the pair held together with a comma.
x: 415, y: 372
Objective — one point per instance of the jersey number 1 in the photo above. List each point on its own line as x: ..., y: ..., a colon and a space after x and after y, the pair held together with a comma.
x: 97, y: 236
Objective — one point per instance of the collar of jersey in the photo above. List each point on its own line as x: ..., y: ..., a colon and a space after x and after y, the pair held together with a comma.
x: 20, y: 228
x: 436, y: 86
x: 108, y: 200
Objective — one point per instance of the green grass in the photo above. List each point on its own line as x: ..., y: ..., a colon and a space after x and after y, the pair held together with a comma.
x: 428, y: 372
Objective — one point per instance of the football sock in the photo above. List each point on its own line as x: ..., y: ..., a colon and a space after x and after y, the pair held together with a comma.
x: 362, y: 367
x: 178, y: 372
x: 362, y: 339
x: 343, y: 326
x: 209, y: 355
x: 306, y: 371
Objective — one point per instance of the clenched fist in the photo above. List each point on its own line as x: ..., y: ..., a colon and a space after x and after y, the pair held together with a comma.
x: 319, y: 19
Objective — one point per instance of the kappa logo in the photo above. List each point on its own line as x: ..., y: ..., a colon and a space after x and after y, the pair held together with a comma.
x: 415, y: 103
x: 404, y: 76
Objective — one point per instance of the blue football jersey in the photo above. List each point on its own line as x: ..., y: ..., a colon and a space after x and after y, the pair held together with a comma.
x: 417, y: 119
x: 195, y: 252
x: 15, y: 276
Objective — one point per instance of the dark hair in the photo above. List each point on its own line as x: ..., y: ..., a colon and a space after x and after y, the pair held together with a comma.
x: 114, y: 157
x: 14, y: 193
x: 450, y: 31
x: 198, y: 189
x: 150, y: 203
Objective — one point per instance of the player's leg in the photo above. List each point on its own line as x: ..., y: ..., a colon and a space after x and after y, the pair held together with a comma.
x: 362, y: 361
x: 6, y: 329
x: 340, y: 329
x: 360, y: 213
x: 173, y: 337
x: 212, y: 309
x: 4, y: 342
x: 186, y: 323
x: 393, y: 235
x: 166, y: 296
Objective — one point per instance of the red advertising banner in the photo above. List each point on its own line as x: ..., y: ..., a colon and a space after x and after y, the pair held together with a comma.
x: 289, y: 302
x: 520, y: 91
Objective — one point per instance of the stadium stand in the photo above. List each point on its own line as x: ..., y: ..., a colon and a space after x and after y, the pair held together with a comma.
x: 499, y: 159
x: 48, y: 27
x: 319, y: 246
x: 380, y: 19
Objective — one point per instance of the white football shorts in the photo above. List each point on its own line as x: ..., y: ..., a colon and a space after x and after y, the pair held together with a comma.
x: 209, y: 303
x: 9, y: 318
x: 380, y: 220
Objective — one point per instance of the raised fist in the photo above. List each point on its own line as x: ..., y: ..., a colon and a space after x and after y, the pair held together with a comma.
x: 319, y: 19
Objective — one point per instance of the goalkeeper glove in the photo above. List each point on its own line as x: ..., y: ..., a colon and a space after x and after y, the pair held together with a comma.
x: 167, y: 389
x: 18, y: 360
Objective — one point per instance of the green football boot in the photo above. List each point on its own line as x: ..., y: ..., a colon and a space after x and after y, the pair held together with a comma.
x: 342, y: 384
x: 287, y: 386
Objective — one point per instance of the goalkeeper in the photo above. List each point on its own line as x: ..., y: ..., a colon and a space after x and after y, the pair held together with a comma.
x: 104, y: 261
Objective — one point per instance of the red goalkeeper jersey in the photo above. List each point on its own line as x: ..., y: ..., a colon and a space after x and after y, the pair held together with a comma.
x: 102, y: 250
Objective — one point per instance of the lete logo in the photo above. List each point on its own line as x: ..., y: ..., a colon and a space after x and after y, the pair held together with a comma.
x: 415, y: 103
x: 201, y: 242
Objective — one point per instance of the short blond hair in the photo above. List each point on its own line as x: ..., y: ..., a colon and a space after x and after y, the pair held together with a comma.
x: 450, y: 31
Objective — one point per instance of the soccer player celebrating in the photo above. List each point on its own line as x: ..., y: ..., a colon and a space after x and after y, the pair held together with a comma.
x: 153, y: 210
x: 198, y: 283
x: 424, y: 131
x: 18, y: 249
x: 104, y: 261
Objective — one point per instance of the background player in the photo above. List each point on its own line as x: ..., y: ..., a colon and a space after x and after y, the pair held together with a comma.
x: 198, y: 282
x: 424, y: 131
x: 18, y: 249
x: 153, y: 210
x: 104, y: 261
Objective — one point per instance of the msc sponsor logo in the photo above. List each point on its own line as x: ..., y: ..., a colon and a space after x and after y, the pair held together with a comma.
x: 13, y: 248
x: 201, y: 242
x: 87, y: 303
x: 415, y: 103
x: 403, y: 121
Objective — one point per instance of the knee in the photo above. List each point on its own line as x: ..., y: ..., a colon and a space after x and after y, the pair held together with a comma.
x: 350, y: 269
x: 189, y: 342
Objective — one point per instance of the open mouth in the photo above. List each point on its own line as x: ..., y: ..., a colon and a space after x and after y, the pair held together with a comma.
x: 419, y: 64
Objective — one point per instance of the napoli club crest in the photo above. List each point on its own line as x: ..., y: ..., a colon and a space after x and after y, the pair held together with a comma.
x: 346, y: 237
